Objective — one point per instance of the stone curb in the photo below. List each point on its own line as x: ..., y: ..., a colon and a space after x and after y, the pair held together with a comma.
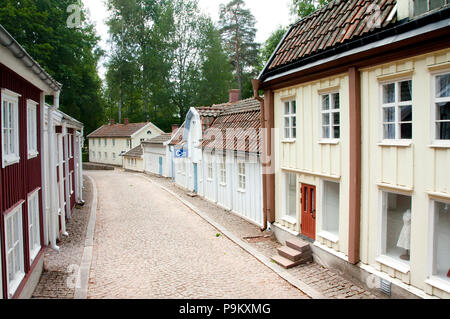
x: 81, y: 288
x: 297, y: 283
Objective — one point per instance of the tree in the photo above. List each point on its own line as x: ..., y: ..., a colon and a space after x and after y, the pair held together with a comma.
x: 70, y: 55
x: 270, y: 45
x: 237, y: 26
x: 303, y: 8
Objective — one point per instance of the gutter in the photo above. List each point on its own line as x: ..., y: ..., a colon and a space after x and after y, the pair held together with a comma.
x: 19, y: 52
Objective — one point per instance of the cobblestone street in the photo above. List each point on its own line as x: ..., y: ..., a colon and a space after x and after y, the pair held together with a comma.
x: 149, y: 245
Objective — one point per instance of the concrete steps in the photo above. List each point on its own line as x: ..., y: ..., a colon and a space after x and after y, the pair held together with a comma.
x: 296, y: 252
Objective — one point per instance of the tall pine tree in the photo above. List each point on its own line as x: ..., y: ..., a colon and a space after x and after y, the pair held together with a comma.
x: 237, y: 26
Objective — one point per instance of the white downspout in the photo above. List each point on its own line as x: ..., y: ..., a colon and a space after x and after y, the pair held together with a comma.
x: 61, y: 185
x: 80, y: 169
x: 44, y: 170
x: 66, y: 169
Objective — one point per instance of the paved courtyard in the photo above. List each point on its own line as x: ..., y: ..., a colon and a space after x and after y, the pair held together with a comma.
x: 149, y: 245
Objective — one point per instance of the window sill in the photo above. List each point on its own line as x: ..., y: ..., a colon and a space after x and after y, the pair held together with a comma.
x: 33, y: 155
x: 10, y: 161
x: 439, y: 283
x: 223, y: 184
x: 209, y: 179
x: 398, y: 143
x: 329, y: 141
x: 240, y: 190
x: 392, y: 263
x: 289, y: 140
x: 289, y: 219
x: 329, y: 236
x: 440, y: 144
x: 15, y: 284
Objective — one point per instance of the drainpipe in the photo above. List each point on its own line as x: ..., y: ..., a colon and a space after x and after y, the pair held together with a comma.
x: 44, y: 178
x: 355, y: 166
x: 255, y: 84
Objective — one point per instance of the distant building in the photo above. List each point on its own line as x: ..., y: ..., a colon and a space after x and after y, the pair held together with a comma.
x: 108, y: 143
x: 157, y: 155
x: 133, y: 160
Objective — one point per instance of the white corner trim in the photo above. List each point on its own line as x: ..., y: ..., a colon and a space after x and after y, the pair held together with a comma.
x: 392, y: 263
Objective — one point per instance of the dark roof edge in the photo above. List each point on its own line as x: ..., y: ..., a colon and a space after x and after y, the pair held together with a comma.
x: 400, y: 27
x: 7, y: 40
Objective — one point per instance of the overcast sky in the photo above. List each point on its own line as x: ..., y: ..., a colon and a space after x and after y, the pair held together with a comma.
x: 269, y: 14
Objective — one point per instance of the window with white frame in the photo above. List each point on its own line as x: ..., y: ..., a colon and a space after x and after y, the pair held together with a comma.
x: 396, y: 226
x: 34, y: 232
x: 397, y: 110
x: 423, y: 6
x: 114, y: 155
x: 441, y: 241
x: 129, y: 143
x: 330, y: 207
x: 210, y: 169
x: 114, y: 142
x: 442, y: 106
x: 106, y: 142
x: 291, y: 195
x: 71, y: 182
x: 223, y: 171
x: 330, y: 115
x: 10, y: 127
x: 70, y: 137
x: 99, y: 141
x: 14, y: 249
x: 32, y: 128
x: 241, y: 176
x: 290, y: 120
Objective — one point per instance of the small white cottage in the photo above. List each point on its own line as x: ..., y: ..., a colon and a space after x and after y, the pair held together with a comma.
x: 157, y: 156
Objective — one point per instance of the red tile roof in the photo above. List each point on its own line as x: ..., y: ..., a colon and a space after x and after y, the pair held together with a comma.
x: 159, y: 139
x: 117, y: 130
x: 338, y: 22
x: 178, y: 137
x: 237, y: 128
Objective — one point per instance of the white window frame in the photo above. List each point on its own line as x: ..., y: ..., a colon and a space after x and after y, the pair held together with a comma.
x: 32, y: 135
x: 397, y: 109
x: 70, y: 182
x: 289, y: 218
x: 20, y: 274
x: 242, y: 177
x: 70, y: 136
x: 434, y: 101
x: 34, y: 230
x: 432, y: 279
x: 106, y: 142
x: 113, y: 142
x: 325, y: 233
x: 332, y: 112
x: 114, y: 156
x: 428, y: 7
x: 210, y: 170
x: 9, y: 157
x: 289, y: 114
x: 223, y: 172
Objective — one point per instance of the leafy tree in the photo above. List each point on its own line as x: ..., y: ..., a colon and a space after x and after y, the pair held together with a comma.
x: 270, y: 45
x: 237, y: 26
x: 303, y: 8
x: 70, y: 55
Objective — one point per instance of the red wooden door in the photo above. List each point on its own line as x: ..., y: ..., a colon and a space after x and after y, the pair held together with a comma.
x: 309, y: 211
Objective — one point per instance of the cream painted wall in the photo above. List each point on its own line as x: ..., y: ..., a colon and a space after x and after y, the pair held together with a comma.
x: 420, y: 169
x: 129, y: 165
x: 310, y: 157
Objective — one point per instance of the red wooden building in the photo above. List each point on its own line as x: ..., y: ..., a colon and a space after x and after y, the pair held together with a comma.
x: 23, y: 85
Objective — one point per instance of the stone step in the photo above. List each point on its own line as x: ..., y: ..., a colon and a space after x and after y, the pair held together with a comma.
x: 289, y: 253
x: 286, y: 263
x: 298, y: 244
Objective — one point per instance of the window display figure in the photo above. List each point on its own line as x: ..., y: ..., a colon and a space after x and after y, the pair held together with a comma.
x: 404, y: 240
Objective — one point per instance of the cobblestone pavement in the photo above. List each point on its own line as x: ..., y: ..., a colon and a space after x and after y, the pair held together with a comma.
x: 149, y: 245
x: 329, y: 282
x: 59, y: 267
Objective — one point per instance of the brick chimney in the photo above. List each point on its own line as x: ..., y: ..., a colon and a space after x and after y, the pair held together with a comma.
x: 126, y: 121
x: 112, y: 122
x: 234, y: 95
x: 174, y: 128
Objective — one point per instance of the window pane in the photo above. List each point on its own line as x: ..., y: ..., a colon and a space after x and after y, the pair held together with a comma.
x: 326, y: 119
x: 286, y: 133
x: 336, y: 103
x: 325, y: 102
x: 294, y: 133
x: 326, y: 132
x: 291, y: 193
x: 443, y: 85
x: 389, y: 93
x: 443, y: 130
x: 406, y: 113
x: 443, y: 111
x: 442, y: 240
x: 294, y: 121
x: 336, y: 118
x: 286, y: 108
x: 293, y: 107
x: 406, y: 131
x: 286, y: 122
x: 398, y: 226
x: 389, y: 114
x: 337, y: 131
x: 405, y: 91
x: 420, y: 6
x: 389, y: 131
x: 434, y: 4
